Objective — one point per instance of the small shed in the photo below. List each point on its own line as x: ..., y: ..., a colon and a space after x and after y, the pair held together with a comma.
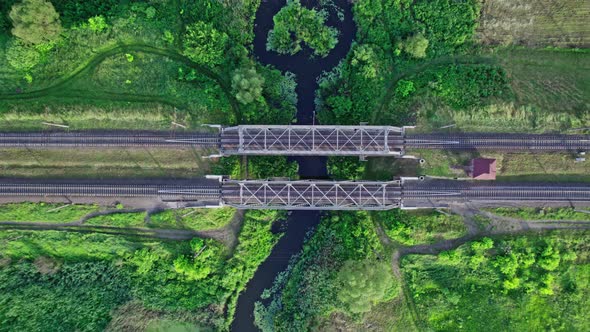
x: 482, y: 169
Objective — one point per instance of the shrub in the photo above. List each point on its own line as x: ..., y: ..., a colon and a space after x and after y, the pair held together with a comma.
x: 204, y: 44
x: 363, y: 284
x: 22, y: 57
x: 416, y: 46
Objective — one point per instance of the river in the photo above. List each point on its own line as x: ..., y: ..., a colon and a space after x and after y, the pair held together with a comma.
x: 307, y: 69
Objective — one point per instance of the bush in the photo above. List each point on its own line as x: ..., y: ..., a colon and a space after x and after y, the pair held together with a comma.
x: 416, y: 46
x: 204, y: 44
x: 365, y: 283
x: 22, y: 57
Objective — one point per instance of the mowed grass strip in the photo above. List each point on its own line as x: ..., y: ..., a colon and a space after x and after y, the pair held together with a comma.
x: 92, y: 162
x: 546, y: 213
x: 135, y: 219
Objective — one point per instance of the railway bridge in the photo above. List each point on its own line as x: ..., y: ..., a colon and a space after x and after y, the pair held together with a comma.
x: 361, y: 141
x: 405, y: 193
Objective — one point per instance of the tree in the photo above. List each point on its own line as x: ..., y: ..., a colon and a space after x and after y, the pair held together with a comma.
x: 35, y: 21
x: 204, y: 44
x: 247, y: 84
x: 364, y: 283
x: 294, y: 24
x: 416, y: 45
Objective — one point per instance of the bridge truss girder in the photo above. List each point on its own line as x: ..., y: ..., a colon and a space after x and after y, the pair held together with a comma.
x: 313, y: 140
x: 311, y: 195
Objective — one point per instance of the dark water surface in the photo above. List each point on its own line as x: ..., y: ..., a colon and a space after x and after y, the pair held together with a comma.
x: 307, y: 69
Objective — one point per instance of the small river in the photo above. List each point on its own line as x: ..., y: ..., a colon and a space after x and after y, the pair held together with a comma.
x: 307, y: 70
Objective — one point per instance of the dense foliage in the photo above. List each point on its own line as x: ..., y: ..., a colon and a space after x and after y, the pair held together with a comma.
x: 56, y: 280
x: 318, y: 282
x: 295, y: 24
x: 257, y: 167
x: 396, y: 40
x: 527, y: 283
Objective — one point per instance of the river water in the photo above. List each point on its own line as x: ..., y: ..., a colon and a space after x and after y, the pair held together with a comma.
x: 306, y: 69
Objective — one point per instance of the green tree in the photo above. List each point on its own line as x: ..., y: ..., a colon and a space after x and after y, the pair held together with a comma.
x: 247, y: 84
x: 365, y: 283
x: 35, y: 21
x: 294, y: 24
x: 416, y: 45
x: 204, y: 44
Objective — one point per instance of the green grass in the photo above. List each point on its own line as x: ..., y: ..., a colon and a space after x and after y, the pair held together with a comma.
x: 44, y: 212
x: 420, y: 227
x: 65, y: 246
x: 196, y: 219
x: 136, y: 220
x: 542, y: 213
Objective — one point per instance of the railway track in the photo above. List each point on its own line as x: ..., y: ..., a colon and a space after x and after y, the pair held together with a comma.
x: 315, y: 195
x: 299, y: 141
x: 499, y: 142
x: 165, y: 192
x: 107, y: 139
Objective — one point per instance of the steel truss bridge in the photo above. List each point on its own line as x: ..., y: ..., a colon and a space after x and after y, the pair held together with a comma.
x: 361, y: 141
x: 312, y: 140
x: 312, y: 195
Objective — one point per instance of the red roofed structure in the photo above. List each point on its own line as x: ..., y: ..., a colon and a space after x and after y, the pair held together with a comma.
x: 482, y: 169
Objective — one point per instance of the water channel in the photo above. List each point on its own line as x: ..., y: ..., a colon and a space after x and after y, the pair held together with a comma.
x: 307, y: 69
